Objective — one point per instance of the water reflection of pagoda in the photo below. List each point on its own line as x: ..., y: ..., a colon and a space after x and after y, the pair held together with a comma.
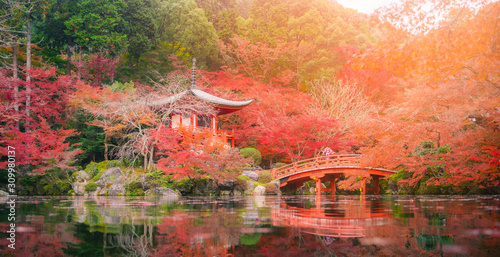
x: 332, y: 218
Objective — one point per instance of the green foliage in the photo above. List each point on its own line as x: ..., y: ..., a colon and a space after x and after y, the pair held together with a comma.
x: 424, y: 148
x: 428, y: 147
x: 280, y: 164
x: 97, y: 177
x: 182, y: 23
x: 121, y: 87
x: 159, y: 179
x: 250, y: 239
x: 402, y: 175
x: 96, y: 24
x: 113, y: 163
x: 384, y: 186
x: 252, y: 153
x: 91, y: 186
x: 163, y: 59
x: 95, y: 170
x: 92, y: 169
x: 243, y: 177
x: 184, y: 185
x: 140, y: 26
x: 102, y: 165
x: 134, y: 189
x: 64, y: 187
x: 90, y: 138
x: 265, y: 177
x: 257, y: 183
x: 48, y: 188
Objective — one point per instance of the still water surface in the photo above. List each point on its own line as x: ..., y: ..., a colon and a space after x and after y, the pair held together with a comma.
x: 254, y: 226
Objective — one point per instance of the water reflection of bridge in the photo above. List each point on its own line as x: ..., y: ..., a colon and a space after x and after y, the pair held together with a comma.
x: 333, y: 219
x: 328, y: 168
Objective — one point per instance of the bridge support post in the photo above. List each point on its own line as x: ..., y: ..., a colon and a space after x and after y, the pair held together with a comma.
x: 376, y: 187
x: 363, y: 187
x: 317, y: 178
x: 332, y: 185
x: 318, y: 186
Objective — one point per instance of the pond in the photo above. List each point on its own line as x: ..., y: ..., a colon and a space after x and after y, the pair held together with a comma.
x: 252, y: 226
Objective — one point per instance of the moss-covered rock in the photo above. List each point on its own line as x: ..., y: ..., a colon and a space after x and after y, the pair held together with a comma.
x: 184, y: 186
x: 111, y: 175
x: 91, y: 186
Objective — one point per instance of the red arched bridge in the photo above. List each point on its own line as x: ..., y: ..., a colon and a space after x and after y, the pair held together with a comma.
x: 327, y: 168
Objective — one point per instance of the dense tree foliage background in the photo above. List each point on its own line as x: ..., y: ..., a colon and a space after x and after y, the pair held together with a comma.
x: 414, y: 86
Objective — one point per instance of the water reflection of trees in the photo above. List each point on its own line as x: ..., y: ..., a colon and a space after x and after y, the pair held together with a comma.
x: 262, y: 226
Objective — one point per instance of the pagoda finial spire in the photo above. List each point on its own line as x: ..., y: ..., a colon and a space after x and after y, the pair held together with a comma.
x: 193, y: 72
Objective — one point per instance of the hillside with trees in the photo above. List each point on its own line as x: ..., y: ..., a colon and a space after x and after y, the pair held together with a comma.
x: 414, y: 87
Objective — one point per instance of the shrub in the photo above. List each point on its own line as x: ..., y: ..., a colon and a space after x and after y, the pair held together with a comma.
x: 91, y: 186
x: 271, y: 189
x: 280, y: 164
x: 265, y: 177
x: 184, y: 185
x: 134, y: 189
x: 102, y: 165
x: 252, y: 153
x: 92, y: 169
x: 243, y: 177
x: 48, y: 189
x: 64, y: 186
x: 240, y: 184
x: 112, y: 164
x: 136, y: 192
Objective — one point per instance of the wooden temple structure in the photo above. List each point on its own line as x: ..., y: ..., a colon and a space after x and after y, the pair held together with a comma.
x: 199, y: 119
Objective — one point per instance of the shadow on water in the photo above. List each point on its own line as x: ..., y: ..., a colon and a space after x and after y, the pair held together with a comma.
x: 253, y: 226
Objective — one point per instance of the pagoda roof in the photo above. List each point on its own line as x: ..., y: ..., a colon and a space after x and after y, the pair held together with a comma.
x: 224, y: 106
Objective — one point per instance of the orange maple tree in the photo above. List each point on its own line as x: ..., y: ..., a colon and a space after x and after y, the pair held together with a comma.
x: 442, y: 123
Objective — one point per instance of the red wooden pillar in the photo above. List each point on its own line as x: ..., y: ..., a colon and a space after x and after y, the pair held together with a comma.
x: 332, y: 186
x: 318, y: 186
x: 376, y: 188
x: 318, y: 183
x: 363, y: 186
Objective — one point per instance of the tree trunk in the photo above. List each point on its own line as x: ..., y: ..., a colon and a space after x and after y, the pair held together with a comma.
x: 151, y: 161
x: 15, y: 71
x: 80, y: 63
x: 68, y: 64
x: 28, y: 70
x: 106, y: 146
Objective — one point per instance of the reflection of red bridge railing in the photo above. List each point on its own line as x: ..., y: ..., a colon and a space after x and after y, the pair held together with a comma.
x: 318, y: 226
x: 329, y: 168
x: 318, y: 222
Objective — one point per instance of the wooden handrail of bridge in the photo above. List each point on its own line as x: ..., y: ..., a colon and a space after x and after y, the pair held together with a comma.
x: 339, y: 160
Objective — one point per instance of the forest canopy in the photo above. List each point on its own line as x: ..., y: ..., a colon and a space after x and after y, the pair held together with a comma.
x: 414, y: 87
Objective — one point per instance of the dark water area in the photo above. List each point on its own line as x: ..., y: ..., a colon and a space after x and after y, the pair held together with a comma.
x: 252, y: 226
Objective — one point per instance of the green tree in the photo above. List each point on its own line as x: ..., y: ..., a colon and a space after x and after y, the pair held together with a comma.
x: 184, y: 25
x: 51, y: 31
x: 139, y: 24
x: 96, y: 24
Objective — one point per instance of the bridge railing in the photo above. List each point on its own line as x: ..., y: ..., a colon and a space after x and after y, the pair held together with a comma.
x: 318, y: 162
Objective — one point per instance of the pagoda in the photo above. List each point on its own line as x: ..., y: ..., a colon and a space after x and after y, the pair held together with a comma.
x: 196, y: 119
